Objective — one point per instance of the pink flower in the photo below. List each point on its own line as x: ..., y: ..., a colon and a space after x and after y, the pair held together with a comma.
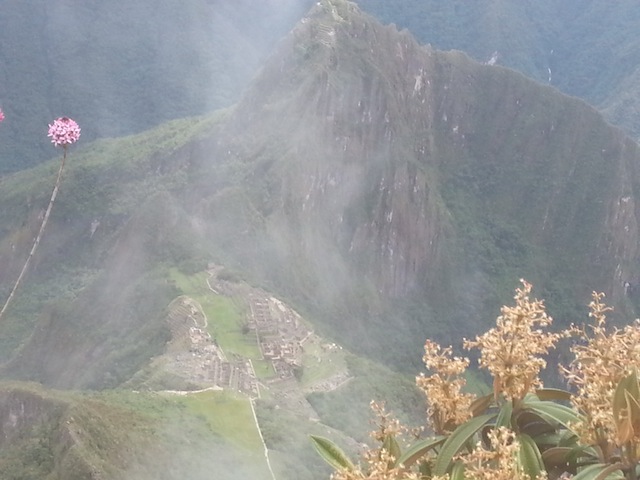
x: 64, y: 131
x: 1, y: 115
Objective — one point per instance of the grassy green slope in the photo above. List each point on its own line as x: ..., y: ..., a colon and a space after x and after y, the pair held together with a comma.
x: 127, y: 435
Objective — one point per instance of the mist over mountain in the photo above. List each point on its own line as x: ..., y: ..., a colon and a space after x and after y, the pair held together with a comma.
x: 122, y: 67
x: 385, y: 190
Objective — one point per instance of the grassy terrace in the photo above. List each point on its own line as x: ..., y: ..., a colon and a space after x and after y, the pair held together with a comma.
x: 320, y: 362
x: 227, y: 414
x: 227, y: 320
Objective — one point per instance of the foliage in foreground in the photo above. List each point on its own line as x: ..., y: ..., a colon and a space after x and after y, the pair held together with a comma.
x: 521, y: 430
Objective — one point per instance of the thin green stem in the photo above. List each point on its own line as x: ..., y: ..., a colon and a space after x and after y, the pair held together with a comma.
x: 54, y: 194
x: 632, y: 460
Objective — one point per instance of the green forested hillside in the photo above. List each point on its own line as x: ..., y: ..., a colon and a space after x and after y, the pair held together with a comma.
x: 126, y: 435
x: 587, y: 49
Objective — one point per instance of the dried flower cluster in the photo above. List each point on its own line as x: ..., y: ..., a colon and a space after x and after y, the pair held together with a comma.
x: 599, y: 438
x: 64, y: 131
x: 379, y: 467
x: 380, y: 463
x: 499, y: 462
x: 601, y: 360
x: 448, y: 406
x: 512, y: 350
x: 385, y: 423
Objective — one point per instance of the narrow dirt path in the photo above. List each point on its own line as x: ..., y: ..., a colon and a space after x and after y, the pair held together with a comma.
x: 188, y: 392
x: 266, y: 450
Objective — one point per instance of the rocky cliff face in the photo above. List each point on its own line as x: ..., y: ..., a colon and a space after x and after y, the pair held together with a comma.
x: 356, y: 173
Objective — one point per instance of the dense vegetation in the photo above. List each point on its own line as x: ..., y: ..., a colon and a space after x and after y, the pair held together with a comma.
x: 127, y: 435
x: 521, y: 430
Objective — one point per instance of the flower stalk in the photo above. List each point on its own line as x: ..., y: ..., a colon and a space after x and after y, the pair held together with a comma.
x: 63, y: 132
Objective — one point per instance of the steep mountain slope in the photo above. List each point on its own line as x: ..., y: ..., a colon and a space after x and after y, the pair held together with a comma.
x: 99, y: 267
x: 588, y: 49
x: 395, y: 181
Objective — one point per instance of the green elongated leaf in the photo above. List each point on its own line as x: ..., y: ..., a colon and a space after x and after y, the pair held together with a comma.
x: 420, y: 449
x: 626, y: 407
x: 633, y: 385
x: 590, y: 472
x: 529, y: 456
x: 550, y: 439
x: 504, y: 416
x: 457, y: 471
x: 547, y: 394
x: 480, y: 404
x: 619, y: 403
x: 594, y: 472
x: 610, y: 470
x: 331, y: 453
x: 634, y: 411
x: 624, y: 429
x: 568, y: 438
x: 557, y: 457
x: 425, y: 470
x: 530, y: 423
x: 553, y: 412
x: 566, y: 458
x: 633, y: 406
x: 391, y: 445
x: 456, y: 441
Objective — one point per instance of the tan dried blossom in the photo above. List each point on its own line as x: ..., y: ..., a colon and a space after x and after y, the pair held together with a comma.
x: 386, y: 424
x: 379, y: 462
x: 448, y: 406
x: 601, y: 360
x: 499, y: 462
x: 512, y: 350
x: 379, y: 466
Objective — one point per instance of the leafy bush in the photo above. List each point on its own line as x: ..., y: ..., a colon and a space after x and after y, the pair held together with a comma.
x: 521, y: 430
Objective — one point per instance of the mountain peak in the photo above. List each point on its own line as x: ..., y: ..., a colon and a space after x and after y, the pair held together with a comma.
x: 408, y: 171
